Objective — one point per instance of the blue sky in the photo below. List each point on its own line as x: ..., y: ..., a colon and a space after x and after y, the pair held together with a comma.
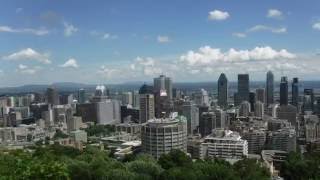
x: 122, y: 40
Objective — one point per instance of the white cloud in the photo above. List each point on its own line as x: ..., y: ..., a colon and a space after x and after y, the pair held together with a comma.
x: 70, y: 63
x: 239, y: 35
x: 18, y: 10
x: 69, y: 29
x: 218, y: 15
x: 109, y: 73
x: 274, y: 13
x: 163, y: 39
x: 109, y: 36
x: 258, y: 28
x: 24, y: 69
x: 210, y: 56
x: 316, y: 26
x: 37, y: 32
x: 29, y: 54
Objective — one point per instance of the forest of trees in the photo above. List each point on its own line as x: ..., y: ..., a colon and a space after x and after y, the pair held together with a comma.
x: 59, y: 162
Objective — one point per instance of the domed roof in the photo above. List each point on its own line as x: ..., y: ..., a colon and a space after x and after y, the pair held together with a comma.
x: 146, y: 89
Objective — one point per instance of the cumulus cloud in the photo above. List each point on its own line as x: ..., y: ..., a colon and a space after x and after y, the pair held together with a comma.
x: 69, y: 29
x: 18, y: 10
x: 109, y: 73
x: 163, y: 39
x: 24, y: 69
x: 37, y: 32
x: 70, y: 63
x: 207, y: 55
x: 109, y: 36
x: 316, y: 26
x: 29, y: 54
x: 275, y: 13
x: 258, y: 28
x: 239, y: 35
x: 218, y: 15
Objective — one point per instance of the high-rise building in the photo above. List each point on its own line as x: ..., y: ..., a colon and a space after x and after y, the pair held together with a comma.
x: 256, y: 140
x: 52, y: 96
x: 288, y: 112
x: 163, y: 96
x: 146, y: 103
x: 243, y: 88
x: 127, y: 98
x: 207, y: 123
x: 252, y: 100
x: 224, y: 144
x: 259, y: 109
x: 81, y: 96
x: 283, y: 139
x: 284, y: 91
x: 244, y: 110
x: 260, y: 95
x: 191, y: 112
x: 135, y: 99
x: 295, y: 92
x: 308, y: 100
x: 160, y: 136
x: 163, y: 84
x: 201, y: 97
x: 269, y: 88
x: 223, y: 91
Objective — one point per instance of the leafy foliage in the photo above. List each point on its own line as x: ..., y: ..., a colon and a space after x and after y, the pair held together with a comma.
x: 59, y: 162
x: 100, y: 130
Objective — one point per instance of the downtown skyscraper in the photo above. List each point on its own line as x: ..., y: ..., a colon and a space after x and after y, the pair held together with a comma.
x: 284, y: 91
x: 295, y: 92
x: 243, y: 89
x: 269, y: 88
x: 223, y: 90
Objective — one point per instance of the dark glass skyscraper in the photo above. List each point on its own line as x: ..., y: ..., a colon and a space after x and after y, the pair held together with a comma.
x: 308, y: 99
x: 295, y: 91
x: 222, y: 90
x: 284, y: 91
x: 243, y: 88
x: 52, y: 96
x: 269, y: 88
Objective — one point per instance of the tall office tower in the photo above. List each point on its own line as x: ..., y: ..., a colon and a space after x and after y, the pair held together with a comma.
x: 52, y: 96
x: 163, y: 96
x: 221, y: 119
x: 207, y: 123
x: 284, y: 91
x: 146, y: 103
x: 295, y: 92
x: 244, y: 110
x: 260, y: 95
x: 223, y: 91
x: 135, y: 99
x: 288, y: 112
x: 201, y: 98
x: 99, y: 94
x: 308, y: 100
x: 160, y: 136
x: 191, y: 112
x: 127, y: 98
x: 243, y: 88
x: 81, y: 96
x: 252, y: 100
x: 163, y: 83
x: 259, y: 109
x: 269, y: 88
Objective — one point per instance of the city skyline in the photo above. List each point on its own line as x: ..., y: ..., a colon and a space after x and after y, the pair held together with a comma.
x: 45, y: 42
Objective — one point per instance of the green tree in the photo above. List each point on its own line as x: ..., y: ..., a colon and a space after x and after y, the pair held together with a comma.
x: 175, y: 158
